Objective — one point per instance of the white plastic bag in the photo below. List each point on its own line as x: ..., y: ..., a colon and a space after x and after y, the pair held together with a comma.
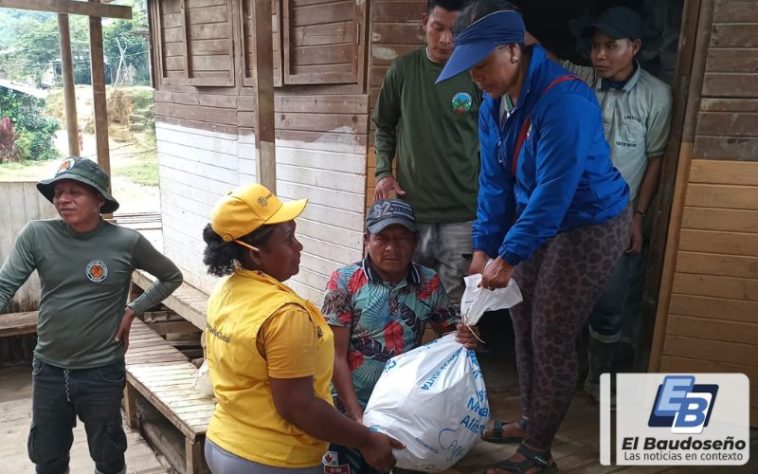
x: 203, y: 381
x: 433, y: 400
x: 476, y: 300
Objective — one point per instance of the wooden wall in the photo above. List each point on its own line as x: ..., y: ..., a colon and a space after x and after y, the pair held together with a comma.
x: 206, y: 127
x: 20, y: 202
x: 395, y: 31
x: 708, y: 316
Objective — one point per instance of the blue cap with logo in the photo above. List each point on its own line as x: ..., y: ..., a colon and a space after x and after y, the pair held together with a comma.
x: 387, y: 212
x: 480, y: 38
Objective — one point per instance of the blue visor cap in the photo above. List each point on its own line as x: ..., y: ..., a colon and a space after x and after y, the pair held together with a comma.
x: 480, y: 38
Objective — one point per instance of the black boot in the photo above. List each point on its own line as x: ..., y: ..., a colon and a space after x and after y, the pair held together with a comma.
x: 600, y: 359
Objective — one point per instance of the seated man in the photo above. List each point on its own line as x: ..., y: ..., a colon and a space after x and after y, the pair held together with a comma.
x: 378, y: 309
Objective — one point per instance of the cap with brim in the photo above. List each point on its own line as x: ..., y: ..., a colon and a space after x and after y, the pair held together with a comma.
x: 388, y: 212
x: 249, y: 207
x: 480, y: 38
x: 617, y: 23
x: 465, y: 57
x: 83, y: 171
x: 289, y: 211
x: 381, y: 225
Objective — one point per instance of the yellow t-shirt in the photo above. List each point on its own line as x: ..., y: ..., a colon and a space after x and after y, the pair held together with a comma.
x: 258, y: 329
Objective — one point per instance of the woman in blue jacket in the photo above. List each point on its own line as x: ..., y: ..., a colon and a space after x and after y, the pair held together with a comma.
x: 553, y: 213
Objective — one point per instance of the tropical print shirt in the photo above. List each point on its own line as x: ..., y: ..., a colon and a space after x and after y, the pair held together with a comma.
x: 384, y: 319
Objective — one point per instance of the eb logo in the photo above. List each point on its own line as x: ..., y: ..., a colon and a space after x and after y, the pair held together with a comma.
x: 682, y: 405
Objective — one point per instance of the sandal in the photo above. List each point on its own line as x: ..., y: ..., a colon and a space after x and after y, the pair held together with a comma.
x: 496, y: 429
x: 532, y: 459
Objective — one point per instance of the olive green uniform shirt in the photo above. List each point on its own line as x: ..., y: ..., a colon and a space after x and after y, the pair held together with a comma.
x: 636, y: 119
x: 433, y: 130
x: 85, y: 285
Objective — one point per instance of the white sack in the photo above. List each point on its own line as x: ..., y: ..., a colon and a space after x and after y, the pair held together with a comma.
x: 433, y: 400
x: 202, y: 381
x: 476, y: 300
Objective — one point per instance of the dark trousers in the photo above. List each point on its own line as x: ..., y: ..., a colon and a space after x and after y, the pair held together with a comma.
x: 560, y: 283
x: 59, y: 396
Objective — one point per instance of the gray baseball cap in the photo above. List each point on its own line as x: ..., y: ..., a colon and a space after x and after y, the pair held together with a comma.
x: 387, y: 212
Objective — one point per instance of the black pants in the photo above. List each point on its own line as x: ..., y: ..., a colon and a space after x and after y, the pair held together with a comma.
x: 59, y: 396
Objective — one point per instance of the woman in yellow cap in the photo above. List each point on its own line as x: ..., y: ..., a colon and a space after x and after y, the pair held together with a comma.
x: 270, y: 353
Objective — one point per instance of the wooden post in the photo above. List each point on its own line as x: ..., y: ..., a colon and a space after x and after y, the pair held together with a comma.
x: 69, y: 93
x: 265, y: 134
x: 688, y: 122
x: 72, y: 7
x: 130, y: 406
x: 193, y: 456
x: 97, y: 61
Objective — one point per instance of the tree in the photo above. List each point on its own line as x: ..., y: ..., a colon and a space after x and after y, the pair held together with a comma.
x: 125, y: 47
x: 33, y: 135
x: 30, y: 45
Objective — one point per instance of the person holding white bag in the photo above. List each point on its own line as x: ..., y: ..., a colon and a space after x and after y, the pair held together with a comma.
x: 378, y: 308
x: 270, y: 352
x: 550, y: 167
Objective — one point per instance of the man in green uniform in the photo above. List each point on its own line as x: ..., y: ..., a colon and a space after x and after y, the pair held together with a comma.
x: 433, y: 131
x: 85, y: 266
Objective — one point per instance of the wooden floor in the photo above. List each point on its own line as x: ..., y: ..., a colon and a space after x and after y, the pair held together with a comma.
x: 576, y: 448
x: 15, y: 418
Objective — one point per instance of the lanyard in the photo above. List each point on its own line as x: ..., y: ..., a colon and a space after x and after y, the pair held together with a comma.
x: 528, y: 122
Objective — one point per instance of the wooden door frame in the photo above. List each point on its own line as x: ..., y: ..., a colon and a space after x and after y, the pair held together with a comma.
x: 694, y: 37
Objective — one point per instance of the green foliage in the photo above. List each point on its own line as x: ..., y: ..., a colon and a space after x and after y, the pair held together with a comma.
x: 34, y: 131
x: 125, y: 46
x: 30, y: 46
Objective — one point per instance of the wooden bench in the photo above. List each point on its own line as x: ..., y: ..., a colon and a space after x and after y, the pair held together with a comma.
x: 164, y: 377
x: 17, y: 324
x: 187, y: 301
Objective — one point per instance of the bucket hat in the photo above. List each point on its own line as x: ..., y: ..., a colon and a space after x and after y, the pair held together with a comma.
x: 84, y: 171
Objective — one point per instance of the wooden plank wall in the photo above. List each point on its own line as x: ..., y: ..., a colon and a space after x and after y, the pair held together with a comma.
x: 322, y: 43
x: 197, y: 43
x: 395, y: 31
x: 712, y: 319
x: 20, y: 202
x: 206, y: 134
x: 248, y: 34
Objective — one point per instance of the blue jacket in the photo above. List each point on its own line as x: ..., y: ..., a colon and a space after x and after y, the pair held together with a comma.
x: 564, y: 176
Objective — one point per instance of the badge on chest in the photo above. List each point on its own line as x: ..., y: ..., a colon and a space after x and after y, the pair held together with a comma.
x: 96, y: 271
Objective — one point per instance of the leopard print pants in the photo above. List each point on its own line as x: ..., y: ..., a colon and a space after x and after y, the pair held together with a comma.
x: 560, y: 283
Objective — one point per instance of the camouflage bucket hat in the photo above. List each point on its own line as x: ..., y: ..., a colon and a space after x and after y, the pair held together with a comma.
x: 84, y: 171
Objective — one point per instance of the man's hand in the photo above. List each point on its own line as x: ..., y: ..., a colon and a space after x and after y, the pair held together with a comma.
x: 378, y: 451
x: 497, y: 274
x: 125, y: 327
x: 356, y: 413
x: 478, y: 262
x: 465, y: 336
x: 386, y: 186
x: 635, y: 236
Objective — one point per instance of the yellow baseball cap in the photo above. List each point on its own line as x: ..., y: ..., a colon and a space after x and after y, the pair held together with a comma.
x: 249, y: 207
